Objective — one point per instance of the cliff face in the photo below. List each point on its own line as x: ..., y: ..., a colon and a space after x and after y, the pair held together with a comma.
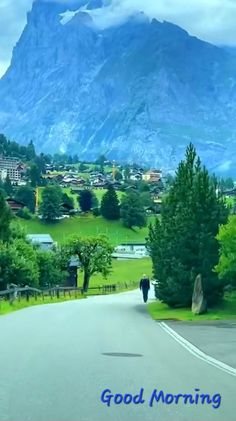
x: 139, y: 91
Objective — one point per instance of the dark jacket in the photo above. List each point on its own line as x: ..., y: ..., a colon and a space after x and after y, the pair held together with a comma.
x: 144, y: 283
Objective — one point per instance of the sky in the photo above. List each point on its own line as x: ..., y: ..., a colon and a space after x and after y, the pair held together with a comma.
x: 210, y: 20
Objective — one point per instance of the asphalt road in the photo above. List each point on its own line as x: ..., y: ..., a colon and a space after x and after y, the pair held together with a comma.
x: 216, y: 338
x: 53, y: 367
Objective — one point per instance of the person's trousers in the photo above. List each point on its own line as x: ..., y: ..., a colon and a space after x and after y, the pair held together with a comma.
x: 145, y: 294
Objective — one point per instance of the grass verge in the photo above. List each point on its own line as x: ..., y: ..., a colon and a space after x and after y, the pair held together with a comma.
x: 6, y: 307
x: 225, y: 310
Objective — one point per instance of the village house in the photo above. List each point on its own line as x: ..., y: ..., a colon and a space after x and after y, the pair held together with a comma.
x: 137, y: 176
x: 15, y: 205
x: 152, y: 176
x: 228, y: 193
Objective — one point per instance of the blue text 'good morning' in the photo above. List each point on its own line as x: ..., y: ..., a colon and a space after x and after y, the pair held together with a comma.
x: 158, y: 397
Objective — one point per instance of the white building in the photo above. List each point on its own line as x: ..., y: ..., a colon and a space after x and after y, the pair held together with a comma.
x: 132, y: 249
x: 11, y: 167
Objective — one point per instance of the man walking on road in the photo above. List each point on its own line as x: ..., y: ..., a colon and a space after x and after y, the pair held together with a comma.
x: 145, y: 286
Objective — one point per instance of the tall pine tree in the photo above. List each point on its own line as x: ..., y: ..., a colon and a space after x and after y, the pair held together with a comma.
x: 8, y: 187
x: 5, y: 219
x: 183, y: 243
x: 110, y: 205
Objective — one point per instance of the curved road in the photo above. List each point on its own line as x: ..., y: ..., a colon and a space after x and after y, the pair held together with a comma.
x: 53, y: 367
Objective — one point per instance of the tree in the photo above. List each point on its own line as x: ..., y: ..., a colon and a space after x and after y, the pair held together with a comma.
x: 143, y: 187
x: 67, y: 200
x: 30, y: 151
x: 95, y: 256
x: 41, y: 161
x: 18, y: 264
x: 50, y: 207
x: 146, y: 199
x: 132, y: 211
x: 18, y: 231
x: 226, y: 184
x: 101, y: 160
x: 26, y: 195
x: 118, y: 176
x: 85, y: 200
x: 5, y: 219
x: 50, y: 273
x: 82, y: 167
x: 183, y: 244
x: 110, y: 205
x: 8, y: 187
x: 226, y: 268
x: 35, y: 175
x: 75, y: 159
x: 127, y: 173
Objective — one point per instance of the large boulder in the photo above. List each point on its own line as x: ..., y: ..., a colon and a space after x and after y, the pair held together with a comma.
x: 199, y: 304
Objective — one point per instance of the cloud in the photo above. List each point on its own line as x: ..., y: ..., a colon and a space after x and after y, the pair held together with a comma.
x: 210, y: 20
x: 12, y: 22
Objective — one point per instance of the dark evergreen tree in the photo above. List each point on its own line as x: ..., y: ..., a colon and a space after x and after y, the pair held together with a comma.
x: 118, y: 176
x: 30, y: 151
x: 110, y: 208
x: 35, y: 175
x: 132, y: 211
x: 85, y: 200
x: 67, y: 200
x: 26, y: 195
x: 50, y: 207
x: 8, y: 187
x: 183, y: 244
x: 5, y: 219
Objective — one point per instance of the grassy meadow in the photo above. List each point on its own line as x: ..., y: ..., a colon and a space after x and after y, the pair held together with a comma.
x: 123, y: 271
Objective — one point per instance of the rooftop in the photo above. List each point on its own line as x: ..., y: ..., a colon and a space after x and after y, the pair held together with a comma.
x: 40, y: 238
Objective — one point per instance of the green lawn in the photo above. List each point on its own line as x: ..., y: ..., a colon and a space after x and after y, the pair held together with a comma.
x: 85, y: 226
x: 225, y: 310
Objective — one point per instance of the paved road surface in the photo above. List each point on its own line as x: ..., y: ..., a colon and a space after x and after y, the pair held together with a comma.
x: 215, y: 338
x: 52, y: 366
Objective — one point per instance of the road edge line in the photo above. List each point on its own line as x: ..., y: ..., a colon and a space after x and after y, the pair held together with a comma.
x: 197, y: 352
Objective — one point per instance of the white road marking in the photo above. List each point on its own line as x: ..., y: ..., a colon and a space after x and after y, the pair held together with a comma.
x: 196, y: 352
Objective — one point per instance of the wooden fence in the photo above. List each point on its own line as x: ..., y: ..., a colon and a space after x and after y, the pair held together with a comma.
x: 16, y: 293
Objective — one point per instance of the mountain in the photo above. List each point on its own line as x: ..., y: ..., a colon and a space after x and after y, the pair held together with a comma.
x: 137, y: 91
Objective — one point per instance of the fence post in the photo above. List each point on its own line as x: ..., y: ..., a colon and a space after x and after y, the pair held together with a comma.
x: 27, y: 295
x: 58, y: 293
